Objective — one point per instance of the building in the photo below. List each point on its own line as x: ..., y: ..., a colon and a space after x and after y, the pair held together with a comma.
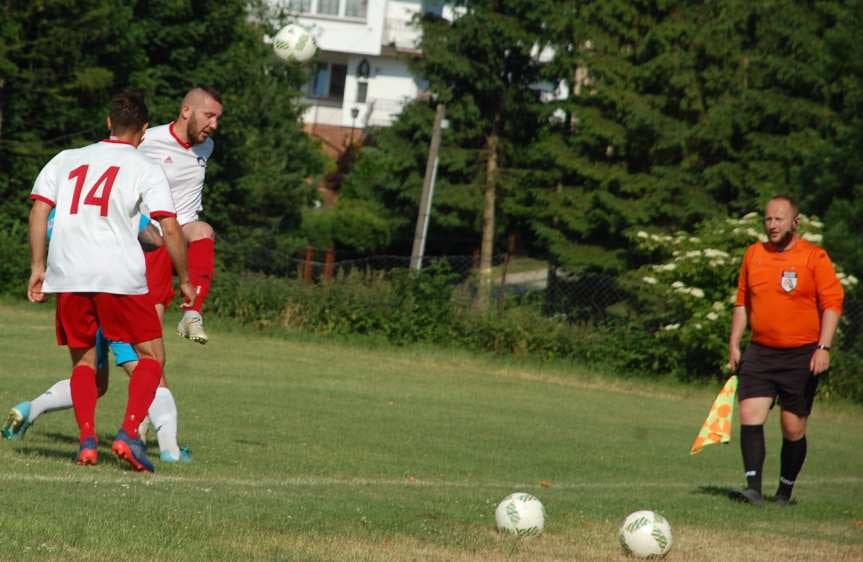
x: 360, y: 75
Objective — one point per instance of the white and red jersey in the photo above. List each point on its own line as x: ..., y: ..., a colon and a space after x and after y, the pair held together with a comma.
x: 184, y: 164
x: 97, y: 192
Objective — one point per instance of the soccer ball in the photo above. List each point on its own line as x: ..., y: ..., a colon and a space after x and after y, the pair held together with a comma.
x: 645, y: 534
x: 294, y: 43
x: 520, y: 514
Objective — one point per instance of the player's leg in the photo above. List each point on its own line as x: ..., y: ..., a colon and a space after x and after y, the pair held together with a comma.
x: 793, y: 454
x: 85, y: 394
x: 57, y: 397
x: 201, y: 239
x: 24, y: 414
x: 76, y: 325
x: 753, y: 414
x: 796, y: 396
x: 756, y: 393
x: 163, y: 411
x: 132, y: 318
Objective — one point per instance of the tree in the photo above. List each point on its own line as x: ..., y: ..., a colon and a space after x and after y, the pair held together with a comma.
x: 680, y: 111
x: 485, y: 66
x: 60, y: 66
x: 832, y: 176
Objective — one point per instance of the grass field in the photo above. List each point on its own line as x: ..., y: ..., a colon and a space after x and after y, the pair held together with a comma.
x: 306, y: 449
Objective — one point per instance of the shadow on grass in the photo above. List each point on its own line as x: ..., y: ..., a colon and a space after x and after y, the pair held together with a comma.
x: 711, y: 490
x: 106, y: 456
x: 47, y: 453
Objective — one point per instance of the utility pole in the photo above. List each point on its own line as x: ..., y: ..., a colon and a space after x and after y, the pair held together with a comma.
x: 428, y: 191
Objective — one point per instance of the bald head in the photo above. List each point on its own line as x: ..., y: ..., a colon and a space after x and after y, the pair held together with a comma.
x: 199, y: 95
x: 199, y: 115
x: 781, y: 221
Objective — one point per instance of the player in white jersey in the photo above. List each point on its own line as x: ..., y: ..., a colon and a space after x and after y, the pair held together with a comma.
x: 183, y: 148
x: 162, y: 412
x: 96, y: 265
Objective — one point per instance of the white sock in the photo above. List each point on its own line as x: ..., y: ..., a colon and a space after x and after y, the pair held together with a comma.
x: 163, y: 417
x: 58, y: 397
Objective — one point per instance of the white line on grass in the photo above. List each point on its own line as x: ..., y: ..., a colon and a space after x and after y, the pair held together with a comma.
x: 329, y: 481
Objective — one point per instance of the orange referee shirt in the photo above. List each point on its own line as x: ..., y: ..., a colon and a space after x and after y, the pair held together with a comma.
x: 785, y: 293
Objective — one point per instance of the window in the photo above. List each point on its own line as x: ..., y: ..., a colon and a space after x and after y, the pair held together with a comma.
x: 354, y: 9
x: 303, y: 6
x: 329, y: 81
x: 328, y: 7
x: 362, y: 91
x: 434, y: 7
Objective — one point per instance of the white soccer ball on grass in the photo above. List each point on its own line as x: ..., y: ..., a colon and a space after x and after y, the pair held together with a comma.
x: 520, y: 514
x: 645, y: 534
x: 294, y: 43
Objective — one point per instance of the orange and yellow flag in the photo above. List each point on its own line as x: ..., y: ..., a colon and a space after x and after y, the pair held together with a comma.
x: 717, y: 426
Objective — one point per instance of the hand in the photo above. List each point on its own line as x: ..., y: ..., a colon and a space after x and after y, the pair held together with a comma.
x: 189, y: 294
x: 733, y: 358
x: 820, y: 361
x: 34, y: 286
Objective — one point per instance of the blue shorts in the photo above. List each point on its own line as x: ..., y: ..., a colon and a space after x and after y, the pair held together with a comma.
x: 123, y: 352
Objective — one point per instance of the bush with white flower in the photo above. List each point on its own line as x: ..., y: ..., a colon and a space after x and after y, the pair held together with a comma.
x: 687, y: 298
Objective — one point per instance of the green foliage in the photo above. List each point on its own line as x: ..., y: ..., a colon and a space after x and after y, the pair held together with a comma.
x: 14, y: 258
x: 679, y: 112
x: 402, y: 307
x: 353, y: 223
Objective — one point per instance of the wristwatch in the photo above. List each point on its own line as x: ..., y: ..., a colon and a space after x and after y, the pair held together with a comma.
x: 822, y: 346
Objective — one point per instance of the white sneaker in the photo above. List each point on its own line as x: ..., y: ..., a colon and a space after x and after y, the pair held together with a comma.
x: 191, y: 327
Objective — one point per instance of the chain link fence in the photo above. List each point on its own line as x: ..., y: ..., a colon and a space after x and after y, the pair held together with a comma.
x: 586, y: 297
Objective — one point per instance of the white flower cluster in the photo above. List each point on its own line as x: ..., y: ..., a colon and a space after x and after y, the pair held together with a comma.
x: 816, y: 238
x: 654, y: 237
x: 811, y: 221
x: 847, y: 280
x: 671, y: 327
x: 680, y: 287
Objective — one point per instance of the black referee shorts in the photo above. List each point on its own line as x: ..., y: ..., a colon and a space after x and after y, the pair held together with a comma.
x: 781, y: 373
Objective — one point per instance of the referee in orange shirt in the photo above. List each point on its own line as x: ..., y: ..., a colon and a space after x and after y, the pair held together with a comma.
x: 789, y: 294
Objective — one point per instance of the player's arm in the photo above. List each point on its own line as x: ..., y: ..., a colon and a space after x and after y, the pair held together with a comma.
x: 738, y: 326
x: 831, y: 297
x: 150, y: 238
x: 740, y: 315
x: 38, y: 226
x: 176, y: 247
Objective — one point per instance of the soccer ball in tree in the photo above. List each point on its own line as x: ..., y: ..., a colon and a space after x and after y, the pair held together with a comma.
x: 294, y: 43
x: 520, y: 514
x: 645, y: 534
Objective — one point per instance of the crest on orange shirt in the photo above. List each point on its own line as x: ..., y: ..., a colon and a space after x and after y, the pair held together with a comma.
x: 789, y: 281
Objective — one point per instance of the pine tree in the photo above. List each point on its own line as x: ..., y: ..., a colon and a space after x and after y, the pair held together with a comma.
x: 680, y: 111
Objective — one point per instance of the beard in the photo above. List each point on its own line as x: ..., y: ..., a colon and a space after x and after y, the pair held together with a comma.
x: 194, y: 133
x: 784, y: 240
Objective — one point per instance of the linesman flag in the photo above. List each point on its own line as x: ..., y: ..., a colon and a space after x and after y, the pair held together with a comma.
x: 717, y: 426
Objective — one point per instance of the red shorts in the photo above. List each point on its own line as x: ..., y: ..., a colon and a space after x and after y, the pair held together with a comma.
x: 126, y: 318
x: 160, y: 276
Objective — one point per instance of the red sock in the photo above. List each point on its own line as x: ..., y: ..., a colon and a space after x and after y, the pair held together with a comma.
x: 84, y: 397
x: 142, y: 390
x: 201, y: 259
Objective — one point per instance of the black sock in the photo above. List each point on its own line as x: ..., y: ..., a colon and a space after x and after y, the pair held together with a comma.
x: 793, y: 455
x: 752, y: 447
